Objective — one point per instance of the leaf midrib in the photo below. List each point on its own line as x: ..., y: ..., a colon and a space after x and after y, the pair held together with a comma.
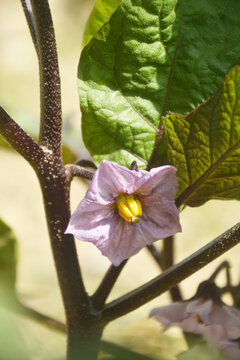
x: 202, y: 179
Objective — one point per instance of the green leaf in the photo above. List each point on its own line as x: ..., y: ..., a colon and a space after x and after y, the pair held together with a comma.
x: 14, y: 342
x: 8, y: 257
x: 152, y: 57
x: 205, y: 146
x: 202, y: 351
x: 101, y: 13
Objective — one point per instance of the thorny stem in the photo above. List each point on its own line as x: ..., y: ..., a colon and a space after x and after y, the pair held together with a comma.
x: 51, y: 116
x: 55, y: 188
x: 173, y: 275
x: 101, y: 294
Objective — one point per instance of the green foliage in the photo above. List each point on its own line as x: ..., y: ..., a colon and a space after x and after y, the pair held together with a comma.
x: 8, y: 258
x: 201, y: 351
x: 150, y: 58
x: 205, y: 146
x: 14, y: 343
x: 101, y: 13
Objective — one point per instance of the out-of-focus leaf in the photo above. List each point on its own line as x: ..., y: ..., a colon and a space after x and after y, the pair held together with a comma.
x: 8, y: 257
x: 201, y: 352
x: 152, y: 57
x: 13, y: 344
x: 205, y: 146
x: 101, y: 13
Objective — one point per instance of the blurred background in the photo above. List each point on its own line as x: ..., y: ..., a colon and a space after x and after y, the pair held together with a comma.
x: 21, y: 206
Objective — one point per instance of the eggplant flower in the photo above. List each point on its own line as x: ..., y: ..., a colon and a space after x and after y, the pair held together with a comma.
x: 125, y: 210
x: 205, y: 314
x: 201, y: 316
x: 217, y: 336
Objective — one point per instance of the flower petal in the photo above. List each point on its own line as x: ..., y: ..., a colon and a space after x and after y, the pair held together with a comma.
x: 217, y: 336
x: 175, y: 315
x: 230, y: 349
x: 110, y: 180
x: 170, y: 314
x: 126, y: 241
x: 201, y: 307
x: 160, y: 220
x: 229, y: 317
x: 118, y: 247
x: 92, y: 222
x: 158, y: 184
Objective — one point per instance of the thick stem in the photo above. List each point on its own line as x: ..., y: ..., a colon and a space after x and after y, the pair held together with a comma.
x: 51, y: 116
x: 55, y: 191
x: 84, y: 344
x: 173, y: 275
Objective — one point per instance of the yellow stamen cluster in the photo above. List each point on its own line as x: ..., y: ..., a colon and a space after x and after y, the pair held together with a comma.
x: 129, y: 208
x: 199, y: 320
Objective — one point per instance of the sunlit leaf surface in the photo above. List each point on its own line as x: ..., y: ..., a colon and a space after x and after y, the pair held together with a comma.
x: 205, y: 146
x: 150, y: 58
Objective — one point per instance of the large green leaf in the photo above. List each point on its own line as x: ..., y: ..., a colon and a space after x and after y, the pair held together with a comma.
x: 205, y: 146
x: 152, y: 57
x: 8, y: 257
x: 14, y: 341
x: 101, y: 13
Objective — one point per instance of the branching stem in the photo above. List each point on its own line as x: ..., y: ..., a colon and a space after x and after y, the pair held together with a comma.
x: 173, y: 275
x: 19, y: 139
x: 77, y: 171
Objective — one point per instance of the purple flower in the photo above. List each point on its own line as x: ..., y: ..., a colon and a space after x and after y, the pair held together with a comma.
x: 217, y: 336
x: 217, y: 323
x: 125, y: 210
